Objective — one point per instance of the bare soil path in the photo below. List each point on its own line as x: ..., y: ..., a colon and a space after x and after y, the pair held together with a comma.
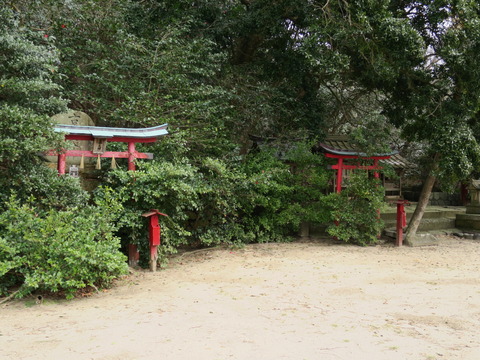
x: 312, y: 300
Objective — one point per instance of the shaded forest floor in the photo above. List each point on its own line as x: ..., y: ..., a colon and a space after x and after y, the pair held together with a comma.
x: 303, y: 300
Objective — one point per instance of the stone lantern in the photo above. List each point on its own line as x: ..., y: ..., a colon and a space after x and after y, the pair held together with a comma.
x: 474, y: 190
x: 73, y: 171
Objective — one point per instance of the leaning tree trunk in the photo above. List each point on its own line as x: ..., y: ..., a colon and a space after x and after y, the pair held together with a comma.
x: 422, y: 203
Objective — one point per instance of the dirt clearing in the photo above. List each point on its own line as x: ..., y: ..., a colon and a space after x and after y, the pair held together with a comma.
x: 312, y: 300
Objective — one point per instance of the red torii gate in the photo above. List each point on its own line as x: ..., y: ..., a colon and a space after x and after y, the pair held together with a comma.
x: 337, y: 147
x: 100, y: 136
x: 340, y: 166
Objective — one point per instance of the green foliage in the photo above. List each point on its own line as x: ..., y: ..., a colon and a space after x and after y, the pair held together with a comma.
x: 310, y: 181
x: 217, y: 201
x: 354, y: 212
x: 171, y: 61
x: 460, y: 153
x: 42, y: 187
x: 219, y: 72
x: 265, y: 203
x: 416, y: 62
x: 53, y: 242
x: 290, y: 189
x: 28, y: 93
x: 59, y: 251
x: 28, y: 69
x: 24, y: 133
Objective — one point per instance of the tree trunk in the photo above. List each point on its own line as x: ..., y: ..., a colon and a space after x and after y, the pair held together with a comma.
x: 422, y: 203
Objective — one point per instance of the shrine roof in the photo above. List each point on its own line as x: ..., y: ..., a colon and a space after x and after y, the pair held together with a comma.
x: 398, y: 161
x: 109, y: 132
x: 342, y: 145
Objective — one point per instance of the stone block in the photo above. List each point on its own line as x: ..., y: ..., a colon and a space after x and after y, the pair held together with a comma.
x: 74, y: 118
x: 473, y: 209
x: 468, y: 221
x: 422, y: 240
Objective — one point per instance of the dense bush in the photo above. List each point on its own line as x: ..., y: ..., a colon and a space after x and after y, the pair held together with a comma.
x: 50, y: 240
x: 212, y: 201
x: 287, y: 187
x: 42, y: 188
x: 59, y: 251
x: 354, y: 213
x: 29, y: 93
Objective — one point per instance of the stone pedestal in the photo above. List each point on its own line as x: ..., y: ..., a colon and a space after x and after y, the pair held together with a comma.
x: 468, y: 221
x: 304, y: 229
x: 471, y: 220
x: 422, y: 240
x: 473, y: 209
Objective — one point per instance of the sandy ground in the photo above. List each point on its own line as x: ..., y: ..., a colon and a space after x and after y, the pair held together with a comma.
x: 312, y: 300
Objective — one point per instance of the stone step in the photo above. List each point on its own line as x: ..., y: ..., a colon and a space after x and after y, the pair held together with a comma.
x: 435, y: 219
x: 422, y: 238
x: 428, y: 224
x: 425, y: 226
x: 429, y: 213
x: 468, y: 221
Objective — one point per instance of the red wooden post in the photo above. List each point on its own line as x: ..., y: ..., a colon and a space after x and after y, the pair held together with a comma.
x: 154, y: 236
x: 401, y: 221
x: 375, y: 164
x: 339, y: 175
x: 62, y: 160
x: 131, y: 156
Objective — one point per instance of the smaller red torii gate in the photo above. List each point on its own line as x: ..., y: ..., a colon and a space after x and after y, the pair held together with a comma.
x: 100, y: 136
x: 340, y: 166
x: 339, y: 147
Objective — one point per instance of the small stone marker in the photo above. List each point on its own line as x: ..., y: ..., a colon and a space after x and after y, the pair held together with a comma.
x: 423, y: 240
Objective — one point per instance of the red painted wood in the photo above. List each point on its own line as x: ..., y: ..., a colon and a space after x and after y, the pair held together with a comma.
x: 401, y: 221
x: 355, y: 167
x: 62, y: 160
x: 106, y: 154
x: 154, y: 231
x: 154, y: 235
x: 340, y: 166
x: 153, y: 212
x: 131, y: 156
x: 339, y: 175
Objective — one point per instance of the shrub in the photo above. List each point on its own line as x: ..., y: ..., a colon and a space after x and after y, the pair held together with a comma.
x: 267, y: 207
x: 212, y: 201
x: 201, y: 203
x: 43, y: 188
x: 59, y: 251
x: 355, y: 211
